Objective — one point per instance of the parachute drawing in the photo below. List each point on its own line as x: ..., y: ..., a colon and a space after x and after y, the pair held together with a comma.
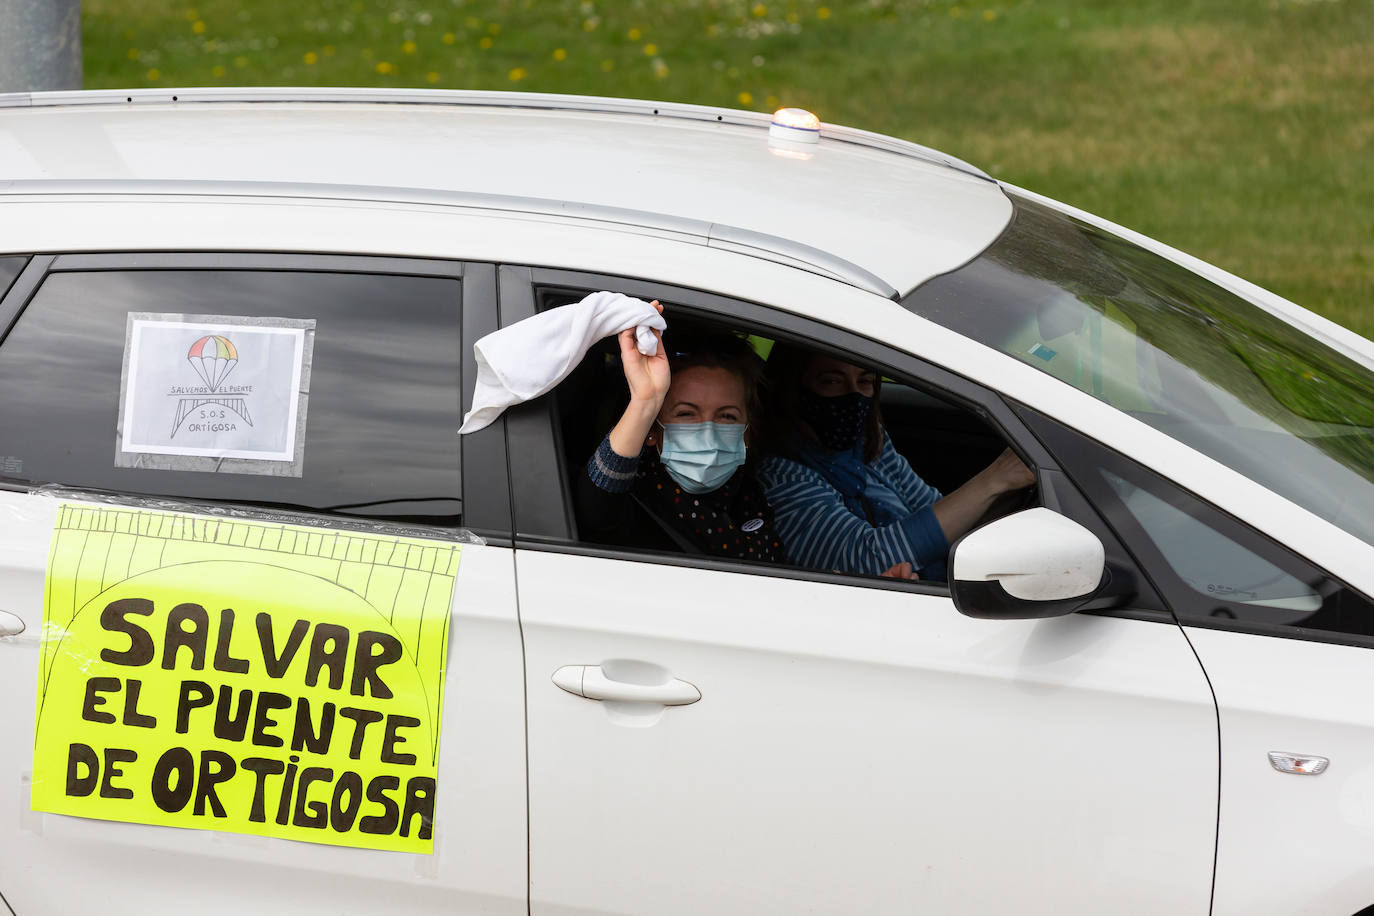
x: 213, y: 357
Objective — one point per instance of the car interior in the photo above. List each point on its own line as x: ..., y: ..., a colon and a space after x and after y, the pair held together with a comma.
x: 945, y: 443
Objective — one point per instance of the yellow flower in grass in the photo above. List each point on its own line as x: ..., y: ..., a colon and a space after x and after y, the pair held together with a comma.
x: 450, y: 38
x: 517, y: 74
x: 432, y: 77
x: 198, y: 27
x: 383, y: 67
x: 651, y: 49
x: 634, y: 34
x: 823, y: 13
x: 746, y: 98
x: 409, y: 47
x: 154, y: 74
x: 560, y: 54
x: 310, y: 57
x: 485, y: 43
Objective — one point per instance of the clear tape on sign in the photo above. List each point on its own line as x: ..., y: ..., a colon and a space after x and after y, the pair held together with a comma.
x: 258, y: 514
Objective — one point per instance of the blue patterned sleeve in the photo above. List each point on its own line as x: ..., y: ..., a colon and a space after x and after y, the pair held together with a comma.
x: 904, y: 481
x: 609, y: 471
x: 820, y: 532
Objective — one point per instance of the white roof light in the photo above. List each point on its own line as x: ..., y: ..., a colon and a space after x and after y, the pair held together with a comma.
x: 794, y: 125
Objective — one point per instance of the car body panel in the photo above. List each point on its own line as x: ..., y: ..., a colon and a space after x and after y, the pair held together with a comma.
x: 59, y: 864
x: 857, y: 750
x: 1292, y: 843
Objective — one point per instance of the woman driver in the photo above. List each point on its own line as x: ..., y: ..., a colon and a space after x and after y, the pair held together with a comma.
x: 671, y: 473
x: 844, y: 498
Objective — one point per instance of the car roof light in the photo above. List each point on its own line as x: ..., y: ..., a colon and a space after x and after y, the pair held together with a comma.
x: 794, y: 125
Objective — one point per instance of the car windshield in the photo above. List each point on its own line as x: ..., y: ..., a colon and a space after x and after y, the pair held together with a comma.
x: 1174, y: 350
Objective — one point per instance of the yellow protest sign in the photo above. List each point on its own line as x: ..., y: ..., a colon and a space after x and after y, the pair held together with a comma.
x: 240, y: 675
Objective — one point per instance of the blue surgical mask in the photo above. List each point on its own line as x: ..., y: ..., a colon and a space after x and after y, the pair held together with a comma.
x: 702, y: 456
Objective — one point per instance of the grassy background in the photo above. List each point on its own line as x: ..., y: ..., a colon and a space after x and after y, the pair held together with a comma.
x: 1237, y: 130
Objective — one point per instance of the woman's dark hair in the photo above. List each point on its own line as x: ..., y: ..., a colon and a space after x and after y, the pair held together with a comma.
x: 689, y: 348
x: 782, y: 420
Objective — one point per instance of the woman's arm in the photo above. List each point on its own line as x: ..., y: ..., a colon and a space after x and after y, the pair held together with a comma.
x: 602, y: 494
x: 819, y: 531
x: 960, y: 510
x: 648, y: 378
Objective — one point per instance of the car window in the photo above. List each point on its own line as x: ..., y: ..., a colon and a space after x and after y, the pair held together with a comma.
x: 1209, y: 562
x: 1211, y: 568
x: 1174, y: 350
x: 383, y: 403
x: 943, y: 442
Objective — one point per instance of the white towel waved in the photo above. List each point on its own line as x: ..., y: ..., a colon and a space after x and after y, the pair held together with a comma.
x: 523, y: 361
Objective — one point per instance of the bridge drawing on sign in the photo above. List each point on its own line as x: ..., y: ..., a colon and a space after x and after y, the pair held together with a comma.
x: 186, y: 405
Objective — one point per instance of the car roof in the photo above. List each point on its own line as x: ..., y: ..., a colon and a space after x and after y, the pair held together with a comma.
x: 873, y: 211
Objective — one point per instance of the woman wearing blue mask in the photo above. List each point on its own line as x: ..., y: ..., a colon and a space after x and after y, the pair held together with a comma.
x: 844, y: 499
x: 671, y: 474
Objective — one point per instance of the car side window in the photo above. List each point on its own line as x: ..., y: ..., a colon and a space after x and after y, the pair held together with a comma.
x: 1212, y: 569
x: 383, y: 402
x: 944, y: 442
x: 1212, y: 564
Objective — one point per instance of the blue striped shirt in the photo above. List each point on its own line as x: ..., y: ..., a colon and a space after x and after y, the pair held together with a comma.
x: 819, y: 506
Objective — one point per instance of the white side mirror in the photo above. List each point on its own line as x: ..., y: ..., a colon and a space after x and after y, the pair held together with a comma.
x: 1036, y: 563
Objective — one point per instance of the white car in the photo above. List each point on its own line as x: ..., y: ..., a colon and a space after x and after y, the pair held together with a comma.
x: 626, y: 731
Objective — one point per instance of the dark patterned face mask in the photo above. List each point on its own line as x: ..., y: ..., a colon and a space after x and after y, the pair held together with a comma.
x: 838, y: 422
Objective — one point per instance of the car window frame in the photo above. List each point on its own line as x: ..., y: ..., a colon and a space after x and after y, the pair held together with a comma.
x: 542, y: 495
x: 486, y: 507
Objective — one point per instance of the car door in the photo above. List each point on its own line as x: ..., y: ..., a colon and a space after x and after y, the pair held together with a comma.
x: 857, y: 744
x: 373, y: 505
x: 1288, y: 650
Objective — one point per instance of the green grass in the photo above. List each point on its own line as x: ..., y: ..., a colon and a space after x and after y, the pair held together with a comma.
x: 1240, y: 131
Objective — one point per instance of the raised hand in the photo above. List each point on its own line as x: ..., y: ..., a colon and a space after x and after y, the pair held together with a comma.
x: 648, y: 378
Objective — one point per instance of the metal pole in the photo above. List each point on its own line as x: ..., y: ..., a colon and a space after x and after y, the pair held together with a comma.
x: 40, y: 45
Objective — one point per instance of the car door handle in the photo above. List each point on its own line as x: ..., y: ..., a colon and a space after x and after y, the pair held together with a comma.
x: 10, y: 625
x: 592, y: 682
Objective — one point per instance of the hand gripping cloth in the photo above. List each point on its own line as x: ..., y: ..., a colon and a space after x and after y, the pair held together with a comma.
x: 527, y: 359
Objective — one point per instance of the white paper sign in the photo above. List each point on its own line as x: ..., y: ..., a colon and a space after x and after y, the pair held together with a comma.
x: 215, y: 390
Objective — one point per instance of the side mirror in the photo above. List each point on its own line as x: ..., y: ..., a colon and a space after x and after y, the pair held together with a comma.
x: 1036, y: 563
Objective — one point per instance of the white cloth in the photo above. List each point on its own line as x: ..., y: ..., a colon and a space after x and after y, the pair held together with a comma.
x: 523, y: 361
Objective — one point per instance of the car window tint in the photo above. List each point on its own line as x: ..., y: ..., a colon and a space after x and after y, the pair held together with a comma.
x: 9, y: 269
x: 380, y: 439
